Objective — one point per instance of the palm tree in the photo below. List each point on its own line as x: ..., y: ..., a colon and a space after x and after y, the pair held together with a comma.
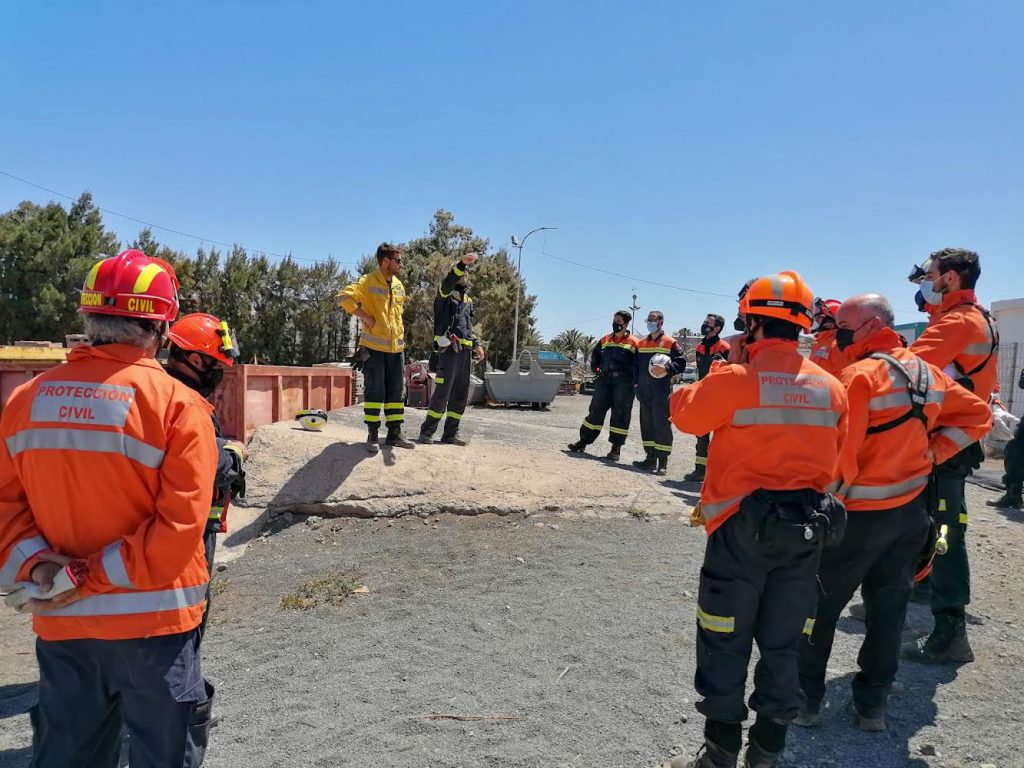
x: 587, y: 344
x: 568, y: 342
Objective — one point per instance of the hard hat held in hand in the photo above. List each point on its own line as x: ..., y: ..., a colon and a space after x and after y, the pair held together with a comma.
x: 659, y: 359
x: 312, y: 420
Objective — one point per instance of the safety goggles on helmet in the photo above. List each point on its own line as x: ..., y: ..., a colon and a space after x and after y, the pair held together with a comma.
x: 918, y: 273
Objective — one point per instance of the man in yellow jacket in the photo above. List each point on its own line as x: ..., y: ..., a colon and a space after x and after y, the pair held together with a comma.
x: 378, y: 300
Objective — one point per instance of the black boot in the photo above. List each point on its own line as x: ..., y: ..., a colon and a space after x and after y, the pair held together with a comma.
x: 371, y: 440
x: 1011, y: 499
x: 613, y: 454
x: 578, y: 447
x: 697, y: 476
x: 395, y: 439
x: 649, y: 463
x: 710, y: 756
x: 662, y: 464
x: 454, y: 440
x: 757, y: 756
x: 947, y: 644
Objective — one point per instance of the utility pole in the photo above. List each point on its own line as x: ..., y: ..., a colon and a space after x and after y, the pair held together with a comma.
x: 516, y: 243
x: 633, y: 308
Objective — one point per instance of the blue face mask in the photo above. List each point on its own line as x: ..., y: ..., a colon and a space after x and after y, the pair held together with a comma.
x: 929, y: 294
x: 652, y: 327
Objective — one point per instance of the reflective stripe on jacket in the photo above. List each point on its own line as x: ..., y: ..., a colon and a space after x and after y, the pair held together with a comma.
x: 109, y: 459
x: 779, y: 422
x: 887, y: 469
x: 960, y: 335
x: 614, y: 354
x: 647, y: 347
x: 385, y: 302
x: 706, y: 353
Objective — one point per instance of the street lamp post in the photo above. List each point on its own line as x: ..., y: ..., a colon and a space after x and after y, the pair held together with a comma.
x: 519, y: 271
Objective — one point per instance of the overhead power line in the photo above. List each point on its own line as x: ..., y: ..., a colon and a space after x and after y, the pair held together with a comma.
x: 162, y: 228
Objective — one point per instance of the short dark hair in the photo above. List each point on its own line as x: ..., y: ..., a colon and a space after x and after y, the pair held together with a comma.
x: 965, y: 263
x: 774, y: 328
x: 658, y: 312
x: 625, y: 314
x: 387, y: 251
x: 719, y: 320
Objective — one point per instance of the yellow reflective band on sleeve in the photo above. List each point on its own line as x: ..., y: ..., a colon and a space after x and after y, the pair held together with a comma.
x: 618, y: 431
x: 216, y: 513
x: 712, y: 623
x: 443, y: 295
x: 588, y: 425
x: 459, y: 272
x: 466, y: 342
x: 700, y: 461
x: 435, y: 415
x: 439, y: 379
x: 964, y: 519
x: 942, y: 505
x: 808, y: 626
x: 453, y: 415
x: 395, y: 416
x: 146, y: 277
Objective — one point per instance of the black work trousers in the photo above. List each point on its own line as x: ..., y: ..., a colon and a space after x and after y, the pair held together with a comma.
x: 451, y: 391
x: 210, y: 545
x: 383, y: 388
x: 90, y: 691
x: 613, y: 391
x: 878, y: 554
x: 746, y: 596
x: 655, y: 428
x: 1013, y: 458
x: 950, y: 579
x: 703, y: 446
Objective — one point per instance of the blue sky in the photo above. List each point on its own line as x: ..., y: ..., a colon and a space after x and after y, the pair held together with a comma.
x: 685, y: 143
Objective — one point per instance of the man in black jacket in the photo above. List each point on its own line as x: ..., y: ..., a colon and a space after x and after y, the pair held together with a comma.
x: 455, y: 346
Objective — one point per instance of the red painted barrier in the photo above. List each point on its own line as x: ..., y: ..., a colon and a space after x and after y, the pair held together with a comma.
x: 251, y: 395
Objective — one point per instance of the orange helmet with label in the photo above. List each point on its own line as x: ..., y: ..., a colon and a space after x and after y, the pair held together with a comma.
x: 131, y: 284
x: 784, y: 296
x: 206, y: 335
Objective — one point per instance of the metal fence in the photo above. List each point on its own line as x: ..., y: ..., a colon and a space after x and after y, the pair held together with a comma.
x: 1011, y: 360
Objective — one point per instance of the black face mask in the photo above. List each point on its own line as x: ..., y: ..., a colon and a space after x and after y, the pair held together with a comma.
x: 706, y: 329
x: 919, y: 300
x: 209, y: 378
x: 739, y: 324
x: 844, y: 336
x: 617, y: 327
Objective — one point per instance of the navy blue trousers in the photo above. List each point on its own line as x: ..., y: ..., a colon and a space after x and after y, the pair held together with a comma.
x: 91, y: 691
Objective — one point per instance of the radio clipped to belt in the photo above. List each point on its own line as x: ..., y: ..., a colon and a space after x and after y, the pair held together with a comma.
x: 794, y: 521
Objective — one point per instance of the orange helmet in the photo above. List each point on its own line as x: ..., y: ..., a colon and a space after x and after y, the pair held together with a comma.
x: 206, y: 335
x: 784, y: 296
x: 131, y: 284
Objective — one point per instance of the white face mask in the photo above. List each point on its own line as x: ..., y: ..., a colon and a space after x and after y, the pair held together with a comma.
x: 929, y: 293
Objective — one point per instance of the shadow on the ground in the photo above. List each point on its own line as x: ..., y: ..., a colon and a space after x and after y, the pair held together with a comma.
x: 15, y: 758
x: 17, y: 699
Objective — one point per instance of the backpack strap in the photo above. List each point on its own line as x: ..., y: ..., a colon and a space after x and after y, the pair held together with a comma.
x: 993, y: 332
x: 917, y: 388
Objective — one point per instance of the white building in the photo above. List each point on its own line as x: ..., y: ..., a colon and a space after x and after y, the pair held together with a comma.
x: 1009, y: 314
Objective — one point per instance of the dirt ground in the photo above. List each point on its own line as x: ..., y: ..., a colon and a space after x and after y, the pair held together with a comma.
x: 564, y: 630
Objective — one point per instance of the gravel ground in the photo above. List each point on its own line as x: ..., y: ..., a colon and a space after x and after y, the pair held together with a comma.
x: 578, y: 629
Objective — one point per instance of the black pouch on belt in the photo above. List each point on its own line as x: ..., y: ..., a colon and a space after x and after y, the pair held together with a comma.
x: 789, y: 522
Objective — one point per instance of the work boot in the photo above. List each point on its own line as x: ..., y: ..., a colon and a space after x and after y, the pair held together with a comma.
x: 395, y: 440
x: 371, y: 441
x: 757, y: 756
x: 649, y: 463
x: 425, y: 439
x: 454, y: 440
x: 809, y: 715
x: 578, y: 447
x: 662, y: 465
x: 697, y: 476
x: 709, y: 756
x: 871, y: 721
x: 1011, y: 499
x: 613, y: 454
x: 947, y: 644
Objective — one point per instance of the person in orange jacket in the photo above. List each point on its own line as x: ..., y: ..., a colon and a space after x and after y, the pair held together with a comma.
x: 904, y: 415
x: 824, y: 351
x: 200, y: 345
x: 106, y: 465
x: 779, y: 423
x: 963, y: 340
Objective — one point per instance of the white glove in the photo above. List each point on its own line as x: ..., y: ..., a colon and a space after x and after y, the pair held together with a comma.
x: 444, y: 342
x: 29, y: 590
x: 658, y: 367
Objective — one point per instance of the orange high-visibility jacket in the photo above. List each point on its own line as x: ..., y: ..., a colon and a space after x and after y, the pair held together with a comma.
x: 109, y: 459
x: 779, y: 422
x: 887, y: 469
x: 825, y: 353
x: 960, y: 335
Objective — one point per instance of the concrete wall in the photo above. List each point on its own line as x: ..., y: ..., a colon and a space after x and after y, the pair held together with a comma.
x: 1009, y: 315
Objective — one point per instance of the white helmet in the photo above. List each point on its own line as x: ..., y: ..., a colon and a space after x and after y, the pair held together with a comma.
x: 658, y: 359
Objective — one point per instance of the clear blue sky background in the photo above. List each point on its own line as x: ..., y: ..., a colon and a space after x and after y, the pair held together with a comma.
x: 693, y: 144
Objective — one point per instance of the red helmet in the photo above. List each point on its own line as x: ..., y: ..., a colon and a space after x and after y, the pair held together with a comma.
x: 826, y: 307
x: 131, y: 284
x: 206, y: 335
